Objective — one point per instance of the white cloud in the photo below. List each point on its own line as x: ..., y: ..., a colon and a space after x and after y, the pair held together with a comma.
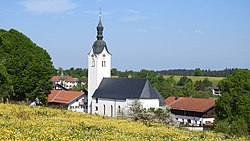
x: 157, y: 28
x: 141, y: 30
x: 133, y: 11
x: 90, y: 12
x: 199, y: 32
x: 133, y: 18
x: 48, y: 6
x: 97, y: 12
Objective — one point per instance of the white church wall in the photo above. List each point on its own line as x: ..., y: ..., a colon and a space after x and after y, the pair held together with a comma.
x: 92, y: 77
x: 104, y: 66
x: 99, y: 66
x: 115, y: 107
x: 108, y: 107
x: 147, y: 103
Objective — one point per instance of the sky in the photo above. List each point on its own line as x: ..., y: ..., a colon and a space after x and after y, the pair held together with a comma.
x: 140, y: 34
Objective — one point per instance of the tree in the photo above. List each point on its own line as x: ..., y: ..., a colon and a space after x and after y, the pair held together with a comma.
x: 6, y: 89
x: 114, y: 72
x: 207, y: 83
x: 124, y: 74
x: 28, y: 65
x: 150, y: 75
x: 183, y: 80
x: 198, y: 72
x: 200, y: 86
x: 189, y: 89
x: 161, y: 115
x: 233, y: 107
x: 166, y: 87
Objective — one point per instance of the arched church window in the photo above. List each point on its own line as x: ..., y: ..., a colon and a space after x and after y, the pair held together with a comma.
x: 104, y: 110
x: 119, y: 109
x: 111, y: 111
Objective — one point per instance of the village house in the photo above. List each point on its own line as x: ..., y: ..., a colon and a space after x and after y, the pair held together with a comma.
x: 192, y: 111
x: 109, y: 96
x: 215, y: 91
x: 67, y: 82
x: 71, y: 100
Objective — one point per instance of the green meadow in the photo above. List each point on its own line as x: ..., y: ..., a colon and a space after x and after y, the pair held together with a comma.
x: 23, y: 123
x: 214, y: 80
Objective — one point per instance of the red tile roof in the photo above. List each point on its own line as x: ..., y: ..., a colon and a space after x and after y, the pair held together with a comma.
x: 190, y: 104
x: 66, y: 79
x: 56, y: 78
x: 62, y: 96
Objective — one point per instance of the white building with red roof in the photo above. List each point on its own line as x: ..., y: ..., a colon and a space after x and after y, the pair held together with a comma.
x: 192, y: 111
x: 67, y: 82
x: 72, y: 100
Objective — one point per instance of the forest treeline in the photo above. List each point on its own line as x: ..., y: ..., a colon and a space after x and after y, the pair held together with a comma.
x: 166, y: 86
x: 198, y: 72
x: 83, y: 72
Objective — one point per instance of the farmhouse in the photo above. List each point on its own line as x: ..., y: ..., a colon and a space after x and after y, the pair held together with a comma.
x: 67, y: 82
x: 215, y: 91
x: 72, y: 100
x: 192, y: 111
x: 109, y: 96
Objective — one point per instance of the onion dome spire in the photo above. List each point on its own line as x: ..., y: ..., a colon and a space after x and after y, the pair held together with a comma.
x: 99, y: 27
x: 99, y: 44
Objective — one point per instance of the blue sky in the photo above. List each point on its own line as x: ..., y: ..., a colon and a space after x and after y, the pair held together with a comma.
x: 140, y: 34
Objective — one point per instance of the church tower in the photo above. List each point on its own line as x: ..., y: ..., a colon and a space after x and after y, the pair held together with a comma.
x: 99, y: 64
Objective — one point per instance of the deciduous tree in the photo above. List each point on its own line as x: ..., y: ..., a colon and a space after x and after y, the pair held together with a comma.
x: 233, y: 107
x: 28, y: 65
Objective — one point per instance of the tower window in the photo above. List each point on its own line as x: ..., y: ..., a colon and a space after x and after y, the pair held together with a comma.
x: 96, y: 100
x: 103, y: 63
x: 93, y: 63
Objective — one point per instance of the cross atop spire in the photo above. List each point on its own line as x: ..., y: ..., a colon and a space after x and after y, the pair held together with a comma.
x: 100, y: 14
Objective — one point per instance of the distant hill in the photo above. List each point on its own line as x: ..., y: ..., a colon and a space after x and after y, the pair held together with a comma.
x: 19, y: 122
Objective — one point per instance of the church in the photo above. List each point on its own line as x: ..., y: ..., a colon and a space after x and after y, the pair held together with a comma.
x: 109, y: 96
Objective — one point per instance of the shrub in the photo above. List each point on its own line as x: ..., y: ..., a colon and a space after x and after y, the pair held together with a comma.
x: 160, y: 115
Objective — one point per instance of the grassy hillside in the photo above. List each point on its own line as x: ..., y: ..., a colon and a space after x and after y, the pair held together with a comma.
x: 214, y: 80
x: 19, y: 122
